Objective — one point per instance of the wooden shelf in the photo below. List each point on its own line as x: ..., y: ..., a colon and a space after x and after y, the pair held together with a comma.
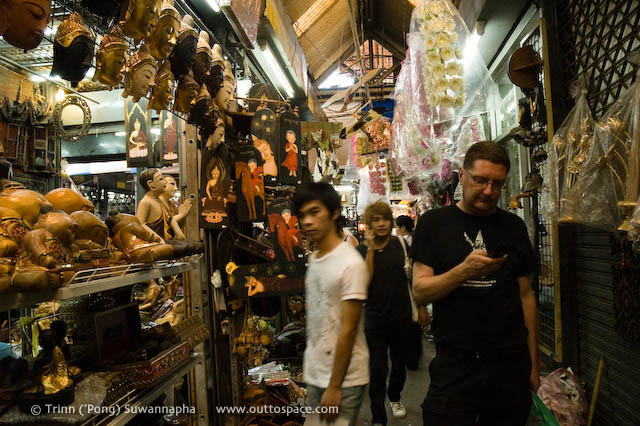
x: 97, y: 280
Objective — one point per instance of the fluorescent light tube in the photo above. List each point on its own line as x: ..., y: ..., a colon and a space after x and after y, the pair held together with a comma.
x: 277, y: 69
x: 214, y: 5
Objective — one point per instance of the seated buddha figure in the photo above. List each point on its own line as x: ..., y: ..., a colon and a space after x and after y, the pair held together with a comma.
x: 91, y: 244
x: 25, y: 202
x: 44, y: 260
x: 50, y: 367
x: 68, y: 200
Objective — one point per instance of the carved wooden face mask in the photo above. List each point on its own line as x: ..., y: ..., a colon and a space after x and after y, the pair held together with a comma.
x: 164, y: 36
x: 111, y: 58
x: 202, y: 61
x: 201, y: 108
x: 215, y: 76
x: 162, y: 93
x: 141, y: 75
x: 25, y: 22
x: 72, y: 50
x: 224, y: 95
x: 181, y: 58
x: 105, y: 8
x: 140, y: 17
x: 186, y: 92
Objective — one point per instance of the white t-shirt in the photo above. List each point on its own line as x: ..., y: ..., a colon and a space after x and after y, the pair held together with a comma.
x: 339, y: 275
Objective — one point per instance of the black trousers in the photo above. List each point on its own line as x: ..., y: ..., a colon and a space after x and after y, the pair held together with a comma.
x: 384, y: 335
x: 473, y: 389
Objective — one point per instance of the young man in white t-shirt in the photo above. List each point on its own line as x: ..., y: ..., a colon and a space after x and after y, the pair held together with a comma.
x: 336, y: 360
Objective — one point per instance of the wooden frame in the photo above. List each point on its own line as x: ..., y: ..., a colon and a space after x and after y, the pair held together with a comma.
x: 139, y: 145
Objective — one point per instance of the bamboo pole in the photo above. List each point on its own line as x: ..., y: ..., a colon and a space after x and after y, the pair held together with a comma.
x: 594, y: 396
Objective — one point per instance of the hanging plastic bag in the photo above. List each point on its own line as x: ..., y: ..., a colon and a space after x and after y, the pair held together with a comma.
x: 611, y: 172
x: 441, y: 94
x: 540, y: 414
x: 568, y: 152
x: 634, y: 229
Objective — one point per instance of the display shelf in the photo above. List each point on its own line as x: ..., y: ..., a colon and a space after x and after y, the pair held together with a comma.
x: 128, y: 405
x: 89, y: 281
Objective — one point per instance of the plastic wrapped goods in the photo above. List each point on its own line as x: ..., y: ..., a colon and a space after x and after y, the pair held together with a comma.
x: 611, y: 173
x: 569, y: 149
x: 442, y: 91
x: 563, y: 395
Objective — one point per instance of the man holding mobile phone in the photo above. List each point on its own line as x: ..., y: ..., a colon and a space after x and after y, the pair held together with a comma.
x: 473, y: 261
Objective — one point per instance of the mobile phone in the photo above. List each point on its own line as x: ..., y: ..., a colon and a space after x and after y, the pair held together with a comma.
x: 499, y: 251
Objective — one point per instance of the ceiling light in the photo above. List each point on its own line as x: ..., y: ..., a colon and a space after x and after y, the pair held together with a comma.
x: 214, y: 5
x: 37, y: 79
x: 277, y: 69
x: 120, y: 134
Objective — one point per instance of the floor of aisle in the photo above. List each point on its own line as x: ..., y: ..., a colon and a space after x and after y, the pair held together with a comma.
x: 415, y: 389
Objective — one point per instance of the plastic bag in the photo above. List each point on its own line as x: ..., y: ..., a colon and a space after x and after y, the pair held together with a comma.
x: 568, y: 152
x: 540, y: 414
x: 563, y: 395
x: 611, y: 173
x: 634, y: 229
x: 442, y: 91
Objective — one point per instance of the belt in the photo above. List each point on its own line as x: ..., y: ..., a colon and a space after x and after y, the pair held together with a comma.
x: 477, y: 354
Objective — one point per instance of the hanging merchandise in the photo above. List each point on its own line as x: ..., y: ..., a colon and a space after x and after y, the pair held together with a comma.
x: 442, y: 95
x: 249, y: 187
x: 369, y: 192
x: 569, y: 149
x: 72, y: 50
x: 289, y: 149
x: 264, y: 126
x: 181, y: 57
x: 609, y: 183
x: 22, y: 23
x: 111, y: 58
x: 285, y: 231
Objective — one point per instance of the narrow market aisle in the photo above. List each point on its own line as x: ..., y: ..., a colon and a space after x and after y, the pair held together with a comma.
x: 415, y: 389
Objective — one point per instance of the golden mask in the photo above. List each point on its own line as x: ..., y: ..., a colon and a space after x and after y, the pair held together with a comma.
x: 225, y: 95
x: 71, y: 28
x: 162, y: 93
x: 202, y: 61
x: 164, y: 36
x: 140, y: 77
x: 140, y: 17
x: 111, y: 58
x: 215, y: 76
x: 186, y: 92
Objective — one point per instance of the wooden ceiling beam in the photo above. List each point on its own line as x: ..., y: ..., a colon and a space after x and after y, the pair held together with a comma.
x: 398, y: 50
x: 333, y: 62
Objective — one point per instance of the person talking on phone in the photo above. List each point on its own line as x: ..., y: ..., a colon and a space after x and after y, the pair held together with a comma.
x: 473, y: 260
x: 387, y: 314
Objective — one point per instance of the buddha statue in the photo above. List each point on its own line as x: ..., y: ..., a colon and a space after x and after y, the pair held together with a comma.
x: 181, y: 57
x: 22, y: 22
x: 140, y: 18
x: 202, y: 61
x: 186, y: 92
x: 154, y: 213
x: 202, y: 106
x: 111, y: 58
x: 164, y: 36
x: 25, y: 202
x: 162, y: 92
x: 215, y: 77
x: 45, y: 260
x: 72, y: 50
x: 68, y: 200
x: 225, y: 94
x: 139, y: 78
x: 90, y: 246
x: 140, y: 244
x: 50, y: 368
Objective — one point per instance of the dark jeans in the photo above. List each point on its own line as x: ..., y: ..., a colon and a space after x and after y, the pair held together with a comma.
x: 471, y: 389
x: 384, y: 335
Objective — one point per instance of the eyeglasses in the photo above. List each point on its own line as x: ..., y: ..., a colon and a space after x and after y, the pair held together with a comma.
x: 496, y: 185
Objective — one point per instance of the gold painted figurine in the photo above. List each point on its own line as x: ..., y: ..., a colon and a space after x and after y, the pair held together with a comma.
x: 162, y: 93
x: 186, y: 92
x: 164, y: 36
x: 111, y: 58
x: 140, y: 18
x: 140, y: 77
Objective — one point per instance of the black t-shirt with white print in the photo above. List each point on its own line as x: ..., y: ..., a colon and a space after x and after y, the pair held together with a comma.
x: 483, y: 314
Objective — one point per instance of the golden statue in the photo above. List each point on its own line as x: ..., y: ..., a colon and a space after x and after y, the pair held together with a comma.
x: 164, y: 36
x: 186, y: 92
x: 140, y: 18
x: 141, y: 75
x: 162, y: 93
x: 111, y: 58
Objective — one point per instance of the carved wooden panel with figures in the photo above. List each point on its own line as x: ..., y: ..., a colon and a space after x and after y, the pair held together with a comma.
x: 285, y: 231
x: 214, y: 187
x: 289, y: 151
x: 264, y: 134
x: 249, y: 187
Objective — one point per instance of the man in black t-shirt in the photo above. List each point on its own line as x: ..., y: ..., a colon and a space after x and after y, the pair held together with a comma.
x: 387, y: 315
x: 473, y: 261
